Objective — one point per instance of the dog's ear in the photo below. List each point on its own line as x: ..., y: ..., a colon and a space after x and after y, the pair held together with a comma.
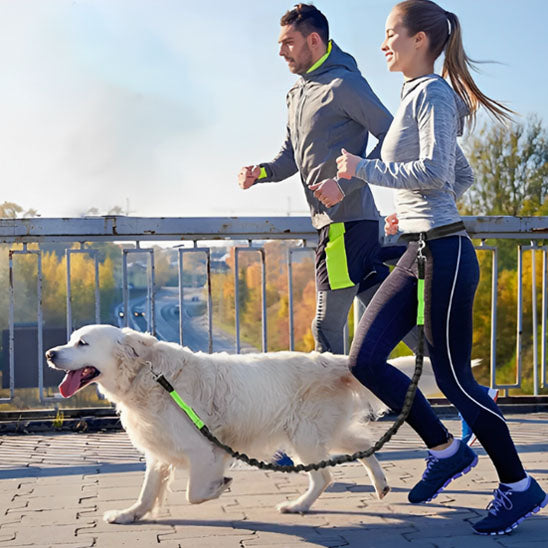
x: 136, y: 343
x: 129, y: 352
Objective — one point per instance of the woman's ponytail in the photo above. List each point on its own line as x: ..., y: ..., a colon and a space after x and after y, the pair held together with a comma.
x: 457, y: 66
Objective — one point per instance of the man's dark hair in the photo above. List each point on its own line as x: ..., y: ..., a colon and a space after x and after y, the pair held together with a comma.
x: 307, y: 18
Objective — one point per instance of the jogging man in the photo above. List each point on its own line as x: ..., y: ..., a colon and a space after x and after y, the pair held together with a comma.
x: 331, y: 106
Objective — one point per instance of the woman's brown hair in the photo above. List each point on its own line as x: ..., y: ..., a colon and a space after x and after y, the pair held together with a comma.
x: 445, y: 35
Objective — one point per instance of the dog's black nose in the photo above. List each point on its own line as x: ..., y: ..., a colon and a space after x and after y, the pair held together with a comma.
x: 50, y: 355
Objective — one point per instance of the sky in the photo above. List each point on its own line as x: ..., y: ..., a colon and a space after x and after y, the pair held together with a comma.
x: 154, y: 105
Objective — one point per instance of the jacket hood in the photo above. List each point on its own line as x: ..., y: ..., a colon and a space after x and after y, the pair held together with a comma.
x: 462, y: 108
x: 337, y: 59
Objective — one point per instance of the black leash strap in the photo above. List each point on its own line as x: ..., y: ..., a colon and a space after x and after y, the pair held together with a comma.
x: 408, y: 401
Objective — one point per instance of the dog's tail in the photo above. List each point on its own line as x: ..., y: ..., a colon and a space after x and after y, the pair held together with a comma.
x: 375, y: 408
x: 427, y: 383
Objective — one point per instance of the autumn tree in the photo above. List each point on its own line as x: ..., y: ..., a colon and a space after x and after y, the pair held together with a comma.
x: 11, y: 210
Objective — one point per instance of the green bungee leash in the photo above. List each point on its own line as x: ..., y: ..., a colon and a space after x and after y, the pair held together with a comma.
x: 408, y: 402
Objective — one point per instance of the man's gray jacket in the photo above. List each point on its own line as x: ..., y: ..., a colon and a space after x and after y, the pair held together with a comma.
x: 330, y: 108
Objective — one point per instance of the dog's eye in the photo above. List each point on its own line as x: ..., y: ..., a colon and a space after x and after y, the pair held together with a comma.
x: 81, y: 342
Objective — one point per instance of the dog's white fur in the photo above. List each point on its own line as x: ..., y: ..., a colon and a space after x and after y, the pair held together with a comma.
x: 307, y: 404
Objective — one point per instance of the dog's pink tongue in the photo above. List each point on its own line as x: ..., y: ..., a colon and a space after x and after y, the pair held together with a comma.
x: 70, y: 383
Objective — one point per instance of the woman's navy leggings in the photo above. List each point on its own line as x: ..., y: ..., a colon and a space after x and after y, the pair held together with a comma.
x: 451, y: 278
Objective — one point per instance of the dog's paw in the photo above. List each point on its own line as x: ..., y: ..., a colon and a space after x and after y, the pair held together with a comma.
x: 383, y: 492
x: 292, y: 507
x: 221, y: 487
x: 119, y: 516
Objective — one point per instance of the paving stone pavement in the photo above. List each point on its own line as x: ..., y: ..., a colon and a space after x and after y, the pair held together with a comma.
x: 55, y: 488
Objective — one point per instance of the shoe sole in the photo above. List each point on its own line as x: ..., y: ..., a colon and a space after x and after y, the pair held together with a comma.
x: 473, y: 439
x: 510, y: 528
x: 457, y: 475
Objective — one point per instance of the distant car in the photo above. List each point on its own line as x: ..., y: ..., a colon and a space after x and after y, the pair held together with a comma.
x: 139, y: 313
x: 195, y: 299
x: 121, y: 314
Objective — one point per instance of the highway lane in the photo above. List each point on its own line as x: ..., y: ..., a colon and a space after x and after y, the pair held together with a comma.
x: 194, y: 315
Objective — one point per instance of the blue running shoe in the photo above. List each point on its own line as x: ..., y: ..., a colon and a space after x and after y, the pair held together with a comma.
x: 468, y: 437
x: 440, y: 472
x: 282, y: 459
x: 509, y: 508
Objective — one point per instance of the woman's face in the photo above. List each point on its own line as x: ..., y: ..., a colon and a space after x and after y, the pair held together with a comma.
x: 399, y: 48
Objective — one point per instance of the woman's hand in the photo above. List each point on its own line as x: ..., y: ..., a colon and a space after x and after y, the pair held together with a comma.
x: 347, y: 164
x: 328, y: 192
x: 391, y: 225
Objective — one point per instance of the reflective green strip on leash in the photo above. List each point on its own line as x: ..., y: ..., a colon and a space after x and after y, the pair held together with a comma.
x: 188, y: 410
x: 420, y: 299
x: 161, y: 380
x: 421, y: 261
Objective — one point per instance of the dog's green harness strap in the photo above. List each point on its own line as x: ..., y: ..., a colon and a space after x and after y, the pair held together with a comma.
x: 179, y: 401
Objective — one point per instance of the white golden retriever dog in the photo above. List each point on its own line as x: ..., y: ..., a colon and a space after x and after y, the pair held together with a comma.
x: 308, y: 404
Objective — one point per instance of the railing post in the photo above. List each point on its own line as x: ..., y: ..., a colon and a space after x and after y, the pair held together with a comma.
x: 534, y: 313
x: 544, y: 314
x: 519, y: 327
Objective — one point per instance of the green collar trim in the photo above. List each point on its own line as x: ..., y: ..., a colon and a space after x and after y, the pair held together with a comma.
x: 322, y: 59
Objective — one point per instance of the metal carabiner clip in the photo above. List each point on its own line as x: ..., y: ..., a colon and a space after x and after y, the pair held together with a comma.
x: 154, y: 374
x: 421, y: 244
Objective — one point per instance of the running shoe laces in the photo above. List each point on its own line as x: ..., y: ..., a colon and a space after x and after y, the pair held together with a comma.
x: 500, y: 501
x: 509, y: 508
x: 431, y: 461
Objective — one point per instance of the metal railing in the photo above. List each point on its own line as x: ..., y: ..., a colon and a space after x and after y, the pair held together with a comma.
x: 249, y: 235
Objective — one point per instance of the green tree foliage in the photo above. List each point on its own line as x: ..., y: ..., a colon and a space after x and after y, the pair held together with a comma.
x: 511, y: 169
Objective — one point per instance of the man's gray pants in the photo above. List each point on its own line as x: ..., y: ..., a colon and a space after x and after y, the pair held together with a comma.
x: 332, y: 307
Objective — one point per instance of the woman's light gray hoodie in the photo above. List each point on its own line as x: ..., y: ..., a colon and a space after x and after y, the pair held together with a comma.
x: 420, y: 156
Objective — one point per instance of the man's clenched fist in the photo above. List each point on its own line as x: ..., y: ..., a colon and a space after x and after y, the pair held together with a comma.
x: 248, y: 175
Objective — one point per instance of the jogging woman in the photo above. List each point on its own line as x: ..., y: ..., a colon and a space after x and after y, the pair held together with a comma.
x: 419, y: 157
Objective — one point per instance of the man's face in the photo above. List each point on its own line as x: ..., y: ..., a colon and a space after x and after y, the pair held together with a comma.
x: 295, y: 50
